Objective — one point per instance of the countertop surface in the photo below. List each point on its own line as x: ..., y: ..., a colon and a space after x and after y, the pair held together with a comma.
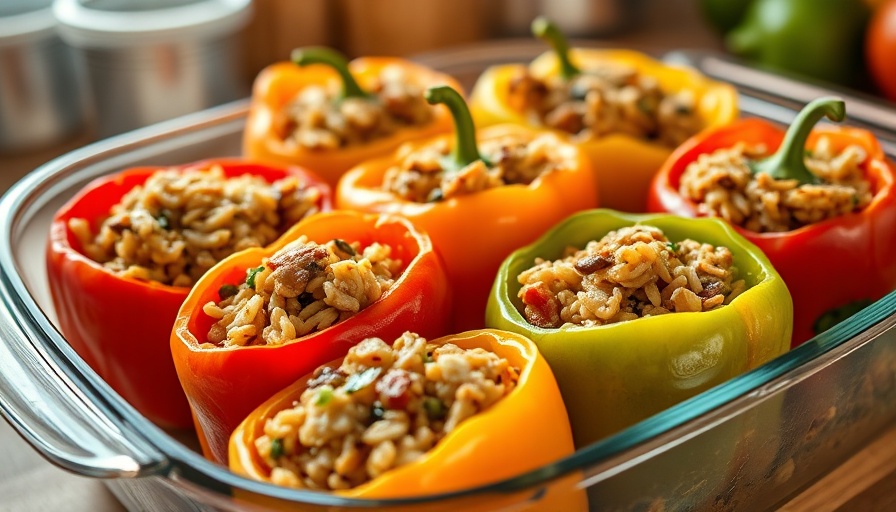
x: 865, y: 482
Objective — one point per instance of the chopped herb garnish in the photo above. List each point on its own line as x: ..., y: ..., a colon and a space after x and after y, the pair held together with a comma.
x: 377, y: 411
x: 435, y: 196
x: 646, y: 105
x: 324, y: 395
x: 578, y: 92
x: 344, y: 247
x: 276, y: 448
x: 434, y: 408
x: 250, y: 275
x: 164, y: 221
x: 837, y: 315
x: 682, y: 110
x: 228, y: 290
x: 359, y: 381
x: 672, y: 246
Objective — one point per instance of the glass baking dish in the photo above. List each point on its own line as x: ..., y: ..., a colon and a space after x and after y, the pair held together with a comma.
x: 751, y: 443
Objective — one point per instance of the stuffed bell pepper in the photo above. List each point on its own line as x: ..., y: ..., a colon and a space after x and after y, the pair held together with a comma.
x: 636, y: 313
x: 264, y: 317
x: 478, y: 199
x: 413, y: 418
x: 624, y: 109
x: 820, y: 202
x: 328, y: 115
x: 124, y: 252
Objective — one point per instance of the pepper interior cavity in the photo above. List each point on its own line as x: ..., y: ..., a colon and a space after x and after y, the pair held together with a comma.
x: 601, y: 98
x: 178, y: 224
x: 721, y: 184
x: 420, y: 176
x: 439, y: 171
x: 630, y: 273
x: 339, y: 115
x: 304, y: 287
x: 382, y: 408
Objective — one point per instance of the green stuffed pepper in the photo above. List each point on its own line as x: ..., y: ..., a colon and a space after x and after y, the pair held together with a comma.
x: 636, y: 313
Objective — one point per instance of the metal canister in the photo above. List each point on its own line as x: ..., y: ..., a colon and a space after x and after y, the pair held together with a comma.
x: 41, y: 92
x: 152, y: 60
x: 576, y: 18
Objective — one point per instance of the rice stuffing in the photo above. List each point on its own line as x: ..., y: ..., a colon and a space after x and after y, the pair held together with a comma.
x: 318, y: 119
x: 612, y: 98
x: 722, y: 185
x: 630, y: 273
x: 178, y: 224
x: 304, y: 287
x: 513, y: 160
x: 382, y: 408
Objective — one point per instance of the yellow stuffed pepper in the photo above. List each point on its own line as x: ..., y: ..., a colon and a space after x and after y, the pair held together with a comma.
x: 413, y: 418
x: 625, y: 109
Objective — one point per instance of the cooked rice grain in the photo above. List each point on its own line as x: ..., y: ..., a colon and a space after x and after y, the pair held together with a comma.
x: 302, y: 288
x: 610, y: 99
x: 177, y: 225
x: 383, y: 408
x: 722, y: 185
x: 316, y: 119
x: 628, y: 274
x: 419, y: 176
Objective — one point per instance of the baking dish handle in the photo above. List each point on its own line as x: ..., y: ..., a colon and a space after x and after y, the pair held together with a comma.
x: 52, y: 412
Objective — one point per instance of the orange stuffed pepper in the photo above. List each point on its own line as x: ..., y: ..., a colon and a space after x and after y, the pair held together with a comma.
x: 478, y: 200
x: 329, y: 115
x: 264, y: 317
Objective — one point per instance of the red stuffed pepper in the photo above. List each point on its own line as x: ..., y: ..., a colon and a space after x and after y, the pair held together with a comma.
x: 264, y: 317
x: 823, y: 207
x: 124, y: 252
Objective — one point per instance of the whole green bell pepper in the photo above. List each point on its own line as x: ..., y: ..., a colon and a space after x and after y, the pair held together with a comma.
x: 612, y: 376
x: 724, y: 15
x: 817, y: 38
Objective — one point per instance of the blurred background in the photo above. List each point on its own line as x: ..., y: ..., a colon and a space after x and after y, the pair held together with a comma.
x: 75, y: 71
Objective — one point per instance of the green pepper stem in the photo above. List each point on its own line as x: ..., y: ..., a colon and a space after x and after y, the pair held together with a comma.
x: 789, y: 161
x: 545, y: 30
x: 465, y: 150
x: 334, y: 59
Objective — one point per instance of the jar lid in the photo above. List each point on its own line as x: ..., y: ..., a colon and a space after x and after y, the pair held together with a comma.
x: 22, y: 21
x: 117, y: 23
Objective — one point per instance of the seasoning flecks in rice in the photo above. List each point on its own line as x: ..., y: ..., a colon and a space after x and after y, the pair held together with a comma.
x: 722, y: 185
x: 302, y: 288
x: 607, y: 99
x: 514, y: 160
x: 318, y: 119
x: 178, y: 224
x: 382, y: 408
x: 630, y: 273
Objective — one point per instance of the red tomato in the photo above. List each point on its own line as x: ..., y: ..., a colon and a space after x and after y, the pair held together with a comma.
x: 880, y: 48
